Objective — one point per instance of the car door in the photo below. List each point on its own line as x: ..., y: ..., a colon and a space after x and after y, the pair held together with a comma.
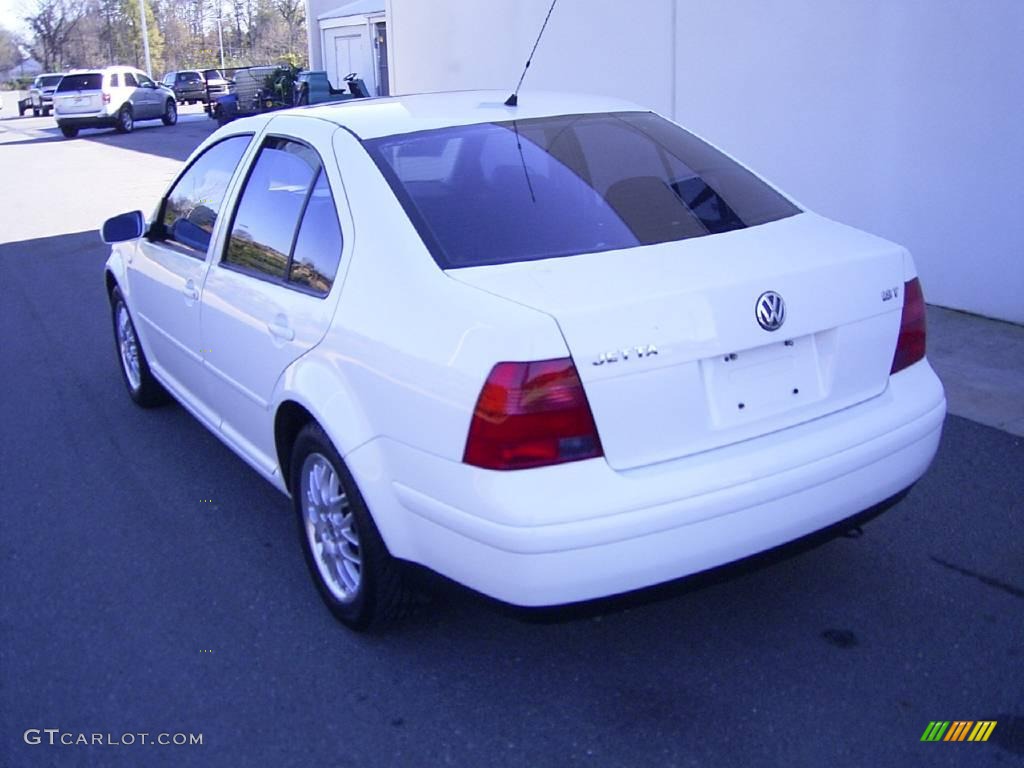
x: 268, y: 295
x: 151, y: 95
x: 165, y: 276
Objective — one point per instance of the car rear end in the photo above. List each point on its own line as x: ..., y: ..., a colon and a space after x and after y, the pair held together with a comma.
x: 732, y: 373
x: 84, y: 100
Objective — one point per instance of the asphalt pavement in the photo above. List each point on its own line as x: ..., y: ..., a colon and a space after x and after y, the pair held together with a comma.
x: 152, y: 583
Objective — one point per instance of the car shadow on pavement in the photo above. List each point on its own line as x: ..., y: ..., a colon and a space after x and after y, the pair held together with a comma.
x: 174, y: 142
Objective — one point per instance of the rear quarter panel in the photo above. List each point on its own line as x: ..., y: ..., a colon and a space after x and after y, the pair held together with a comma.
x: 409, y: 348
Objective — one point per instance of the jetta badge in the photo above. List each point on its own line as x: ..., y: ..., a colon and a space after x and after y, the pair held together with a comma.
x: 770, y: 311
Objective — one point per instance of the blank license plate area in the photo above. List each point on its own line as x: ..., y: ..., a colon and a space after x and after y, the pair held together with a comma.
x: 766, y: 381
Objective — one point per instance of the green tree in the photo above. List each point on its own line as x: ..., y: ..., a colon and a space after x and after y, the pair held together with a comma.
x: 129, y: 36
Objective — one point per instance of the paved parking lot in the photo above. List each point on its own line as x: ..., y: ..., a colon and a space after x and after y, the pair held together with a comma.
x: 133, y: 605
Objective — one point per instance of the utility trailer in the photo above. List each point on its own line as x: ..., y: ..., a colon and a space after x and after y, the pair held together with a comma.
x: 267, y: 88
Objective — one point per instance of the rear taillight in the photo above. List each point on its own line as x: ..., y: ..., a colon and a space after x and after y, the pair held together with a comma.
x: 532, y: 415
x: 106, y: 98
x: 910, y: 347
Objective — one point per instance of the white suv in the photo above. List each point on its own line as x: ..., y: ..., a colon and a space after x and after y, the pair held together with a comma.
x: 114, y: 97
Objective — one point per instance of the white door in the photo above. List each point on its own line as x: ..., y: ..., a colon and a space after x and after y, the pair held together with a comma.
x: 346, y: 50
x: 165, y: 275
x: 267, y: 297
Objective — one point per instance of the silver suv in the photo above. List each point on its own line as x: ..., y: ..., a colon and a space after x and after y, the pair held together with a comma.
x: 114, y: 97
x: 41, y: 93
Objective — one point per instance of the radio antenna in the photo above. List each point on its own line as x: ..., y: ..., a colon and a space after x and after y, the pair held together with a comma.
x: 513, y: 100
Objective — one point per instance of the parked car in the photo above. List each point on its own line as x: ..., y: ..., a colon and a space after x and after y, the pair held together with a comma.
x: 191, y: 86
x: 648, y: 360
x: 41, y: 93
x: 114, y: 97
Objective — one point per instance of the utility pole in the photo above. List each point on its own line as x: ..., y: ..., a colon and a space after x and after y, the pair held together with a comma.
x: 220, y: 35
x: 145, y: 37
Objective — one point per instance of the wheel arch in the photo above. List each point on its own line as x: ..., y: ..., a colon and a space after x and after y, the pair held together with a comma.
x: 290, y: 418
x: 312, y: 389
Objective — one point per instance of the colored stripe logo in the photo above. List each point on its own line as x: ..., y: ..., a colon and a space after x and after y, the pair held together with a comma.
x: 958, y: 730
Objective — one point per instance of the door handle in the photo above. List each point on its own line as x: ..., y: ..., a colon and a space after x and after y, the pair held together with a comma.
x: 280, y: 328
x: 190, y: 291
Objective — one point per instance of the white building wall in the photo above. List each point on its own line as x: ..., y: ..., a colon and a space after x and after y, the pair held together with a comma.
x: 901, y: 117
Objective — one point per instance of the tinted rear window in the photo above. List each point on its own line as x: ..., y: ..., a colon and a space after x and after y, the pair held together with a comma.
x: 92, y: 81
x: 502, y: 192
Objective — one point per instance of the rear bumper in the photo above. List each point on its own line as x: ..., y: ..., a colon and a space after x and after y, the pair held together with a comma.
x: 86, y: 121
x: 580, y: 531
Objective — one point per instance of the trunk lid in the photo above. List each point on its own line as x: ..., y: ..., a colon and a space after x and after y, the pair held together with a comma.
x: 668, y: 346
x: 77, y: 102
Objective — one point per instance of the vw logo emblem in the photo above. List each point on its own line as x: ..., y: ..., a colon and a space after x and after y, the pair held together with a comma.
x: 770, y: 311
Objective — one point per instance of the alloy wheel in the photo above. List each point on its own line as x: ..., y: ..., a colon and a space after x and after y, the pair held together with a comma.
x: 128, y: 344
x: 330, y: 528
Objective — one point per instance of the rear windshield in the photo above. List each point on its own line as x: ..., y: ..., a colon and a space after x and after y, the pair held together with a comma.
x: 91, y: 81
x: 512, y: 191
x: 190, y: 77
x: 46, y: 82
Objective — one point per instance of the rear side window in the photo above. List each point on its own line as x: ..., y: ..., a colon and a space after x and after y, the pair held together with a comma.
x: 318, y: 245
x: 115, y: 81
x: 521, y: 190
x: 91, y: 81
x: 286, y: 227
x: 193, y: 205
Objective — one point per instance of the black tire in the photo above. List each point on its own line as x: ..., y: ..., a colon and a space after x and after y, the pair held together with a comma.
x: 170, y: 116
x: 69, y: 131
x: 149, y: 393
x: 35, y: 112
x: 382, y: 595
x: 46, y: 111
x: 125, y: 120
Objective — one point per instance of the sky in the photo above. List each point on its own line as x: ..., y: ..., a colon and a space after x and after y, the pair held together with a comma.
x: 11, y: 13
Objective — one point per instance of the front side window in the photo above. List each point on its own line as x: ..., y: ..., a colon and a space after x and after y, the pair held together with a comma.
x: 143, y: 80
x: 286, y: 226
x: 193, y: 204
x: 521, y: 190
x: 130, y: 81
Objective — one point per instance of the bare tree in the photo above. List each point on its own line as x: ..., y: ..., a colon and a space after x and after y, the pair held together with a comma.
x: 10, y: 50
x: 53, y: 24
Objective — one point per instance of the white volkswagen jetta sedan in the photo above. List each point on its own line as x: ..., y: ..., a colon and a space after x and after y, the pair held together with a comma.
x: 554, y: 351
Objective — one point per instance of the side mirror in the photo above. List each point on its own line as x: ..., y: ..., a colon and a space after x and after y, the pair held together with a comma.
x: 120, y: 229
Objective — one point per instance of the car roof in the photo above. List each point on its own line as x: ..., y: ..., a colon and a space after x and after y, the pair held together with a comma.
x: 386, y: 116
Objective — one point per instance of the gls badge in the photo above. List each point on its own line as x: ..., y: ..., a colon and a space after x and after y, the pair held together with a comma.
x: 644, y: 350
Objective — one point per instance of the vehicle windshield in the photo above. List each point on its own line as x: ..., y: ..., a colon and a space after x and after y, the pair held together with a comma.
x: 49, y: 81
x: 88, y: 81
x: 521, y: 190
